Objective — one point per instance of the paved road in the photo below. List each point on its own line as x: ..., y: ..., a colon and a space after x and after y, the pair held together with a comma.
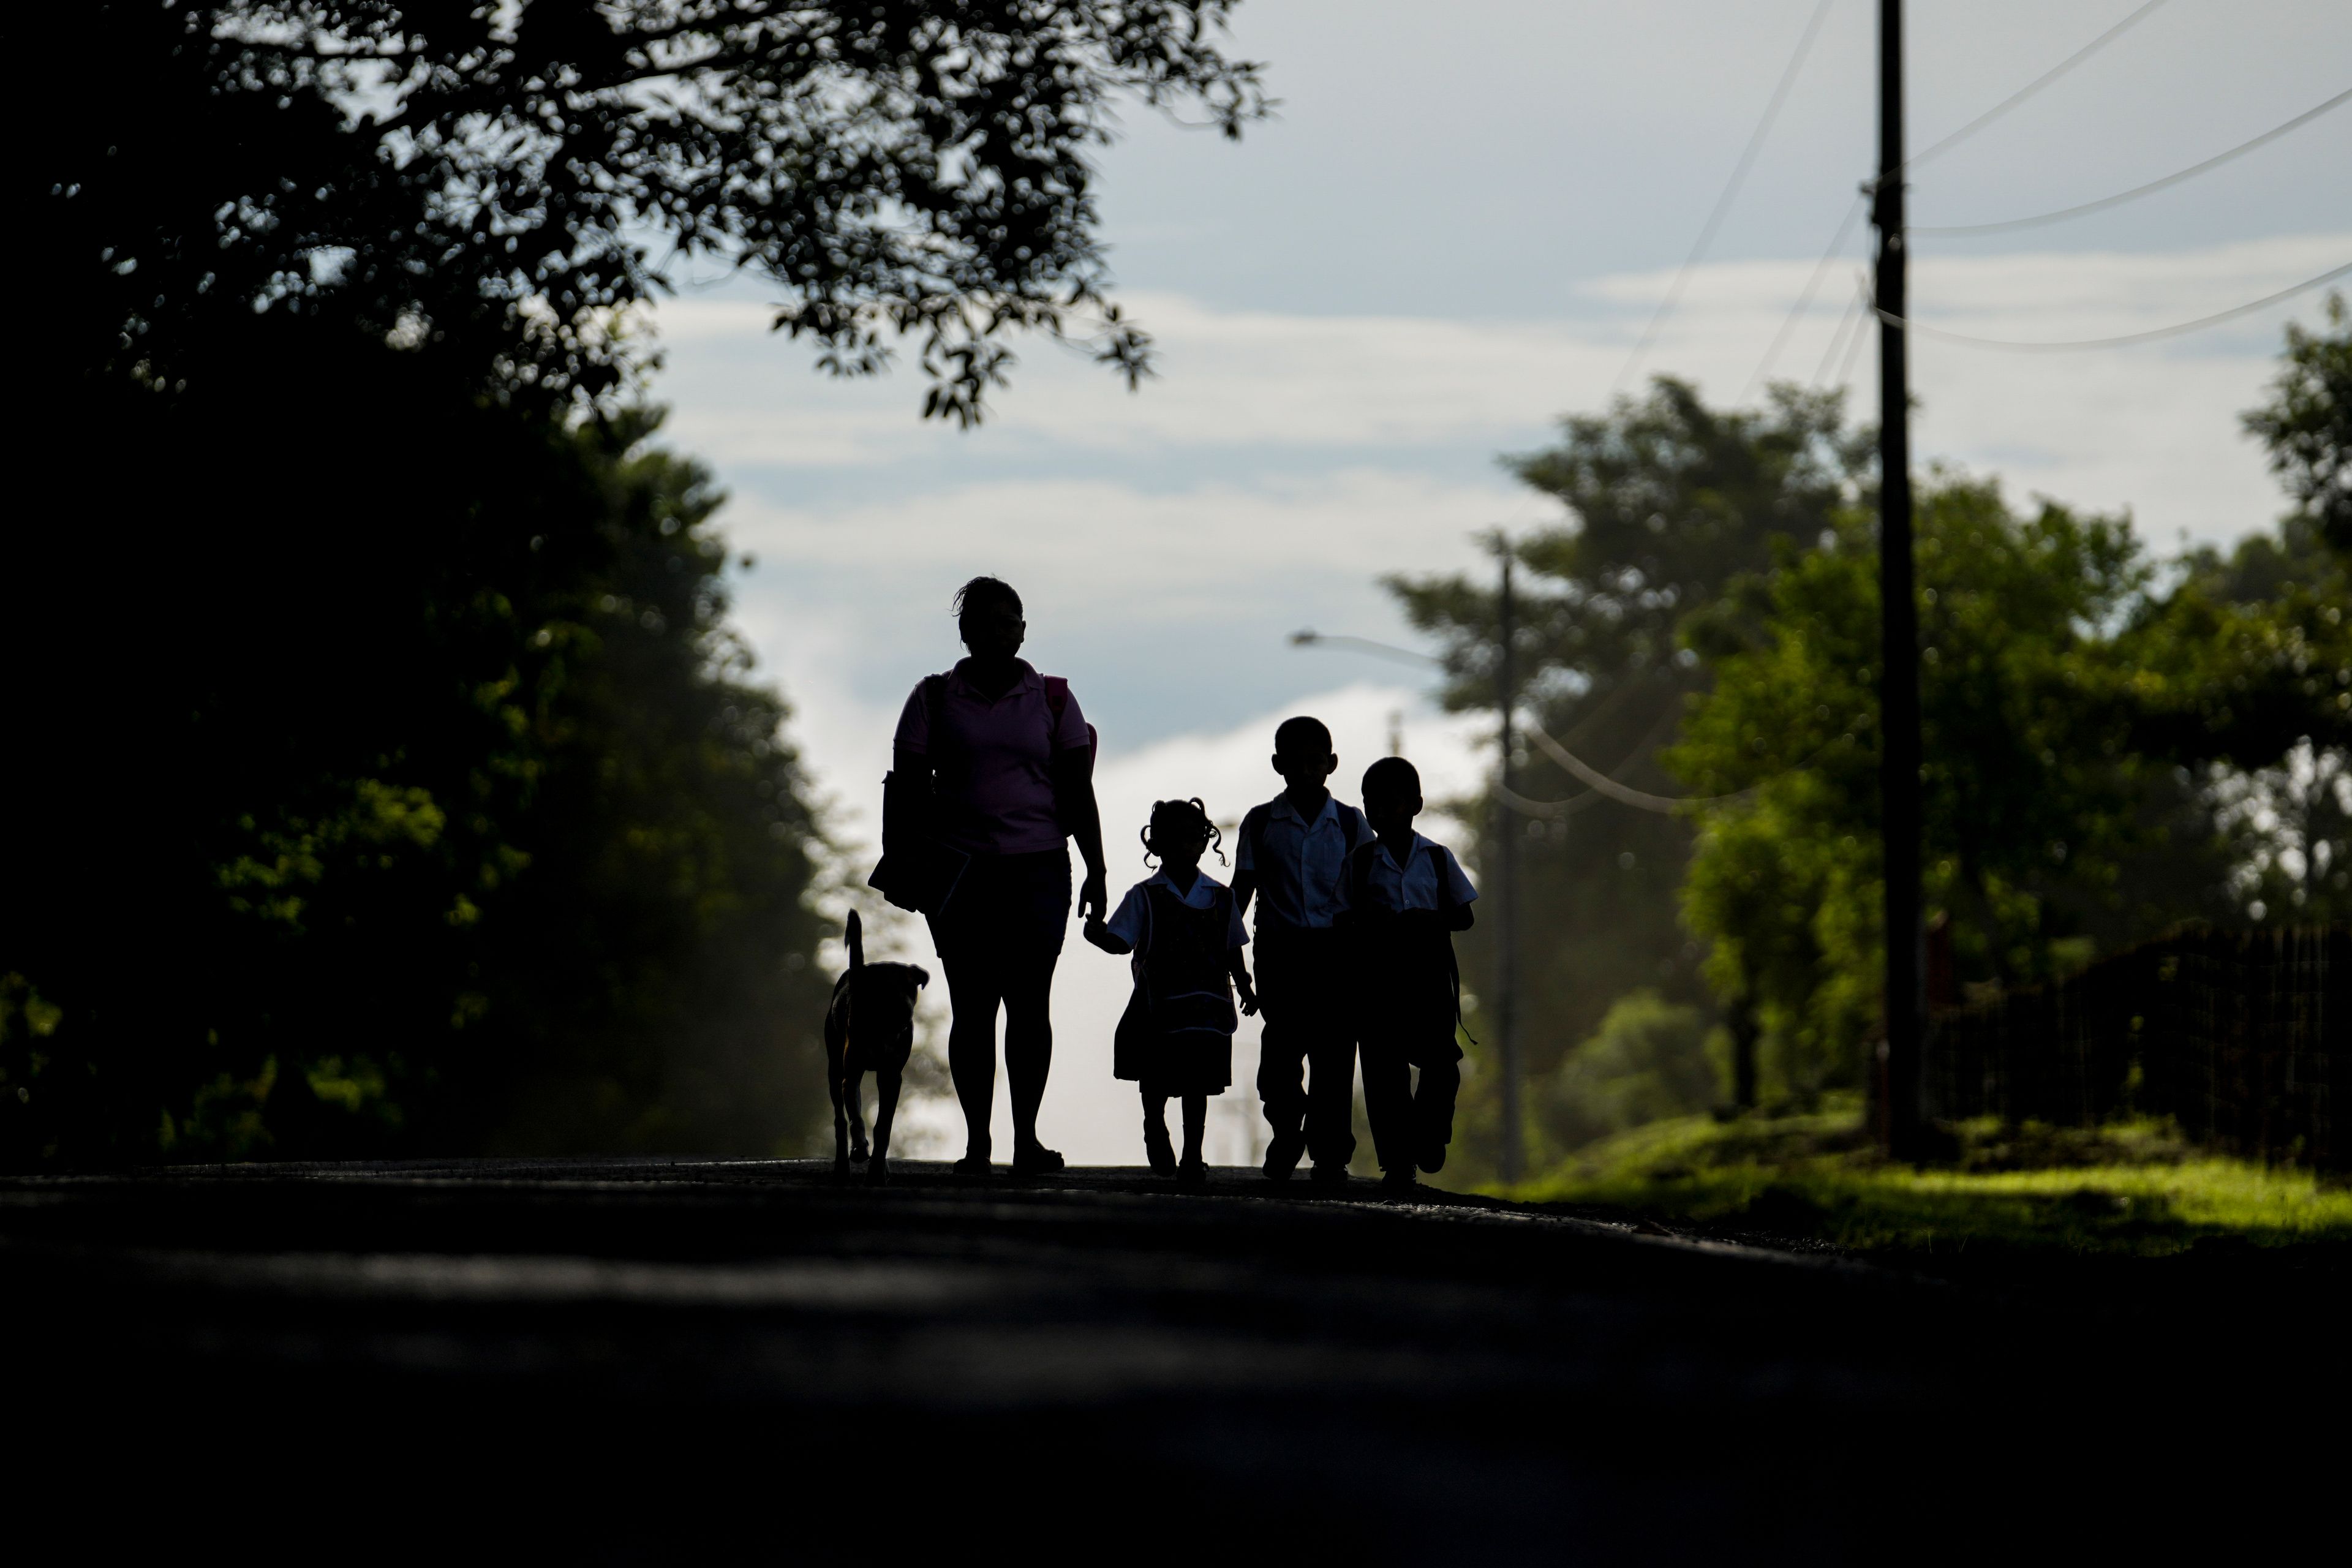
x: 620, y: 1357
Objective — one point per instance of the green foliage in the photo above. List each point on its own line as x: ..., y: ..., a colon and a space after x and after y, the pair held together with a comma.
x: 382, y: 777
x: 2308, y: 424
x: 1649, y: 1062
x: 2133, y: 1189
x: 503, y: 181
x: 407, y: 794
x: 2031, y: 791
x: 1670, y: 501
x: 2106, y: 755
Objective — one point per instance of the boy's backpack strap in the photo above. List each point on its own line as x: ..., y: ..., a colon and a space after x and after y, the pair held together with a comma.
x: 1444, y: 883
x: 1447, y: 901
x: 1351, y: 821
x: 1359, y: 873
x: 1252, y: 834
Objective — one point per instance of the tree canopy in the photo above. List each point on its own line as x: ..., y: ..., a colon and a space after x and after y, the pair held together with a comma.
x: 509, y: 177
x: 2114, y: 744
x: 384, y: 774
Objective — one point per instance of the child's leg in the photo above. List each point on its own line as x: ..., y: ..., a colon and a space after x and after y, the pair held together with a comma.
x: 1388, y: 1102
x: 1432, y: 1104
x: 1283, y: 1044
x: 1196, y: 1123
x: 1331, y: 1055
x: 1156, y: 1151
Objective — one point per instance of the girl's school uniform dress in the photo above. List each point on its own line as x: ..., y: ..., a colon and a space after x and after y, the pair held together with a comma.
x: 1176, y: 1037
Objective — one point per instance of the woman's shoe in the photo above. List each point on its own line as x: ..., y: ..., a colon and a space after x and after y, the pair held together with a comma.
x: 1158, y: 1152
x: 1330, y: 1173
x: 1402, y: 1180
x: 1036, y: 1161
x: 974, y: 1166
x: 1192, y: 1173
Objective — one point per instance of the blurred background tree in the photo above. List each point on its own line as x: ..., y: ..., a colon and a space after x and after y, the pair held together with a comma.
x: 383, y: 777
x: 1670, y: 503
x: 2115, y: 745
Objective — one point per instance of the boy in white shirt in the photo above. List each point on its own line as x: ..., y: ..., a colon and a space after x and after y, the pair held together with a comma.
x: 1405, y: 896
x: 1292, y: 856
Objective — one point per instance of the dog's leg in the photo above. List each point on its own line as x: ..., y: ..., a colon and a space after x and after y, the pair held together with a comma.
x: 832, y: 1064
x: 857, y: 1097
x: 885, y: 1106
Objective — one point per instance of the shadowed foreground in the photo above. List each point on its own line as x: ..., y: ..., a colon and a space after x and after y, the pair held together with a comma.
x: 628, y: 1359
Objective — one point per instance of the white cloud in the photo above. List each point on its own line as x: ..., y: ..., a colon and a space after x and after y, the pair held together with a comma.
x: 2152, y: 427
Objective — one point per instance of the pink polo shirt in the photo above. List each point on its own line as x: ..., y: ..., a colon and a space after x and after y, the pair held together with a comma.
x: 994, y: 761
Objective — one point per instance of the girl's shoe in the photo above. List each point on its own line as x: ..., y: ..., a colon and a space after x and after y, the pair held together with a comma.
x: 1402, y: 1180
x: 1158, y: 1152
x: 1192, y: 1173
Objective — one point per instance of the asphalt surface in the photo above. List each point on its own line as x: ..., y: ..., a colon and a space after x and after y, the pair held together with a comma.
x: 725, y: 1359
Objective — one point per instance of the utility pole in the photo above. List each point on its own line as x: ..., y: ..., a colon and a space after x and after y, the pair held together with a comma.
x: 1507, y: 875
x: 1898, y: 678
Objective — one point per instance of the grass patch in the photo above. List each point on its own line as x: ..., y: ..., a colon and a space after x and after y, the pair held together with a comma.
x: 2132, y: 1189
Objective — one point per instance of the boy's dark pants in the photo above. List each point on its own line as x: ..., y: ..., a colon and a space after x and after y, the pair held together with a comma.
x: 1302, y: 990
x: 1408, y: 1122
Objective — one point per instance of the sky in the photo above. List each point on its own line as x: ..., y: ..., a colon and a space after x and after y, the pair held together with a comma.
x: 1453, y: 233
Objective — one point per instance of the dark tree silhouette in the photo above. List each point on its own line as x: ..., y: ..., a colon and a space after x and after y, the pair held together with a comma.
x: 510, y: 177
x: 382, y: 773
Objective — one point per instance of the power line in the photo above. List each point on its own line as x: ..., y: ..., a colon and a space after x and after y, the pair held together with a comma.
x: 1805, y: 299
x: 1845, y: 226
x: 2137, y: 191
x: 2031, y: 88
x: 1723, y: 202
x: 2171, y: 331
x: 1853, y: 344
x: 1603, y: 784
x: 1849, y: 323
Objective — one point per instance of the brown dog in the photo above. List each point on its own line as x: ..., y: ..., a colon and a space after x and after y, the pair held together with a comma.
x: 870, y: 1028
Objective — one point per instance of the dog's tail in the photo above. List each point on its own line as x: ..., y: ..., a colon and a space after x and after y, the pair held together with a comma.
x: 856, y: 940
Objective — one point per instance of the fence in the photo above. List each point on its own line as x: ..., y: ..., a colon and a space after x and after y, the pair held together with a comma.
x: 2242, y: 1037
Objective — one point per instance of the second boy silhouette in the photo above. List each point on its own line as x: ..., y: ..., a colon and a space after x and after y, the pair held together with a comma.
x: 1403, y: 898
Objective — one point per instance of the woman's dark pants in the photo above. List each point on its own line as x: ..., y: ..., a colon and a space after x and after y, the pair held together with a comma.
x: 999, y: 939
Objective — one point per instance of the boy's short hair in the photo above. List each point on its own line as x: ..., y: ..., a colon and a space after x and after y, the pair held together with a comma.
x: 1293, y: 737
x: 983, y: 592
x: 1392, y: 776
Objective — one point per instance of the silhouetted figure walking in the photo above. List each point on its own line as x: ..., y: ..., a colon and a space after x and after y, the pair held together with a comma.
x: 1405, y: 897
x: 1176, y: 1039
x: 1292, y: 856
x: 992, y: 772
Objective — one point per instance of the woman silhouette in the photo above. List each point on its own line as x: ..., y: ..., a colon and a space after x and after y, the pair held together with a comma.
x: 1008, y: 761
